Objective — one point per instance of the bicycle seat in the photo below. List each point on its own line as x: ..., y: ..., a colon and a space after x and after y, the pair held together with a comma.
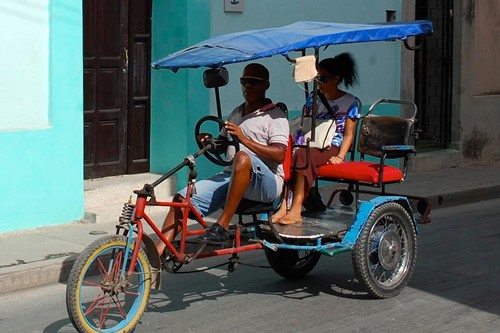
x: 250, y: 207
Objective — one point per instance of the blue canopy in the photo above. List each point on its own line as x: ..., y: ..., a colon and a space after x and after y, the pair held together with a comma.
x: 254, y: 44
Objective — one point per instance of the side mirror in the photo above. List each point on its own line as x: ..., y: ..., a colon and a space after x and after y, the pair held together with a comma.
x: 215, y: 77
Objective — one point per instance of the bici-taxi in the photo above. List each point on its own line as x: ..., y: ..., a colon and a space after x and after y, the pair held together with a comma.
x: 110, y: 282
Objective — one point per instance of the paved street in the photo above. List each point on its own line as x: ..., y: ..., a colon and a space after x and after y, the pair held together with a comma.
x: 454, y: 288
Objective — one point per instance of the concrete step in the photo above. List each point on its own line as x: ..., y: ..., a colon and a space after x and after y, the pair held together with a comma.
x: 104, y: 197
x: 434, y: 160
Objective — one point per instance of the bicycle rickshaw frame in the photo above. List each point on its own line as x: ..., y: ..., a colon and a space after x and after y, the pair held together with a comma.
x: 122, y: 259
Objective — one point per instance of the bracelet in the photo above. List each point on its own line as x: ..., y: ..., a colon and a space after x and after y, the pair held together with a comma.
x: 339, y: 157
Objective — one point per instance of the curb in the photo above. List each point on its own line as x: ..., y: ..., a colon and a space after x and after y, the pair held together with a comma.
x: 36, y: 274
x: 51, y: 271
x: 463, y: 197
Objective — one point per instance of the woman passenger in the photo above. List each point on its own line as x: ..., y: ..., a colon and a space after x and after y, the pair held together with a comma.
x: 344, y: 108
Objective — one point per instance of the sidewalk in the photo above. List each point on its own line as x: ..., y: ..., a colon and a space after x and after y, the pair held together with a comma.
x: 43, y: 256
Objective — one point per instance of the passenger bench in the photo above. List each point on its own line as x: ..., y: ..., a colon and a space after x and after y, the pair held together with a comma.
x: 382, y: 137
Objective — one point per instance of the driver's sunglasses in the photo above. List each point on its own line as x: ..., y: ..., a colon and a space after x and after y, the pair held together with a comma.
x: 251, y: 80
x: 323, y: 78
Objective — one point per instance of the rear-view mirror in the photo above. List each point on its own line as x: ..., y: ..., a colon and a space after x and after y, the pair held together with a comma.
x: 215, y: 77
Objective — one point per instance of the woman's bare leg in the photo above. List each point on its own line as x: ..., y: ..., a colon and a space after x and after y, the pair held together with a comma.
x: 294, y: 215
x: 283, y: 208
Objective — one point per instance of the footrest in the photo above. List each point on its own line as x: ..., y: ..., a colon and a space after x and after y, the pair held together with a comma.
x: 330, y: 223
x: 334, y: 251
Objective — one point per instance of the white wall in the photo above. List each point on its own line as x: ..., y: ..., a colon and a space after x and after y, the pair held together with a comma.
x: 24, y: 92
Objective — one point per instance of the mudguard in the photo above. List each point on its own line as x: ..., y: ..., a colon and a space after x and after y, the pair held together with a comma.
x: 364, y: 211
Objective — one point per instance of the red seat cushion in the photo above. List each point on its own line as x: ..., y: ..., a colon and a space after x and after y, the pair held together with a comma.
x: 360, y: 172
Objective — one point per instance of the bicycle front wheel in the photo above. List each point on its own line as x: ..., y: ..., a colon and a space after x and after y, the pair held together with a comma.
x: 100, y: 297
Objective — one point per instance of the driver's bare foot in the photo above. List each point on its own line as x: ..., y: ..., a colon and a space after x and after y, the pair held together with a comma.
x: 290, y: 219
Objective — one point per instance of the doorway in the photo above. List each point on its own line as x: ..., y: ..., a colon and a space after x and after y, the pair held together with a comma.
x: 116, y: 65
x: 433, y: 75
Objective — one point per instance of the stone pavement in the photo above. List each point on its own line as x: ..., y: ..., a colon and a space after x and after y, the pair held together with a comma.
x: 33, y: 258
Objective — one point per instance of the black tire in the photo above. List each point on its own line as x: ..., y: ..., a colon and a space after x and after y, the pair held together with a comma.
x: 385, y: 253
x: 292, y: 264
x: 346, y: 198
x: 97, y: 297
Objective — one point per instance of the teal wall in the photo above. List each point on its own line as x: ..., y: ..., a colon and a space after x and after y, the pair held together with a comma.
x: 178, y: 99
x: 42, y: 169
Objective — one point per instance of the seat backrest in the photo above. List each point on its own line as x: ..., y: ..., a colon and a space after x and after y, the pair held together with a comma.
x: 287, y: 163
x: 377, y: 131
x: 352, y: 149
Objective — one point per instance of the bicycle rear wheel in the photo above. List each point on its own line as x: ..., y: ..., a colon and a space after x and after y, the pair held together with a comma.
x: 292, y: 264
x: 99, y: 295
x: 386, y: 251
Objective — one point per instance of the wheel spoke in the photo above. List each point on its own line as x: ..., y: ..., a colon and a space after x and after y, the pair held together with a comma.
x: 119, y: 307
x: 99, y: 300
x: 116, y: 264
x: 128, y: 292
x: 90, y: 284
x: 102, y: 270
x: 104, y: 314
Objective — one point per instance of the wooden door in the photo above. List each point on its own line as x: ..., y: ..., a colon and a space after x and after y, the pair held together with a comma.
x: 433, y: 75
x: 116, y: 86
x: 139, y: 86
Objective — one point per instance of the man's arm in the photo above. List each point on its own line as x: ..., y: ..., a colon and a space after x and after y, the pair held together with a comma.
x: 274, y: 152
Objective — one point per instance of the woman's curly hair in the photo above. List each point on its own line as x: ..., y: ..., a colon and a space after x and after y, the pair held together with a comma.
x: 342, y: 65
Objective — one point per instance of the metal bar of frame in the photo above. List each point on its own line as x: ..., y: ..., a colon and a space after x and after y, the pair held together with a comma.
x: 314, y: 100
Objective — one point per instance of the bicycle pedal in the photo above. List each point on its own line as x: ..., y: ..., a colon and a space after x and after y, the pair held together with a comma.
x: 253, y: 240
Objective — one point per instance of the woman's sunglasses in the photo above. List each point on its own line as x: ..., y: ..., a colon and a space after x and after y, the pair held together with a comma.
x: 323, y: 78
